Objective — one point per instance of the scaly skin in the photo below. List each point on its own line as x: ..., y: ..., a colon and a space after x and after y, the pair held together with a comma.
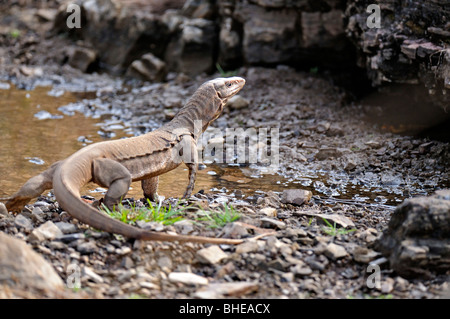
x: 115, y: 164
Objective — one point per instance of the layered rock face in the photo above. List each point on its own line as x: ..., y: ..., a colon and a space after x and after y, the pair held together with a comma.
x: 409, y: 46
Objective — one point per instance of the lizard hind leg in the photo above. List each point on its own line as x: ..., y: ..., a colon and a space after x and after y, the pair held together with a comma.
x: 34, y: 187
x: 113, y: 175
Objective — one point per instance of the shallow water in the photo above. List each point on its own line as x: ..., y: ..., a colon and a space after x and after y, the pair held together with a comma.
x: 35, y: 134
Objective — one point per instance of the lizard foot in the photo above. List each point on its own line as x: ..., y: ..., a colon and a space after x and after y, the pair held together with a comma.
x: 15, y: 204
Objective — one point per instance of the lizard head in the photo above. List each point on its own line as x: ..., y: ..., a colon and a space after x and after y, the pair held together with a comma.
x: 227, y: 87
x: 224, y: 88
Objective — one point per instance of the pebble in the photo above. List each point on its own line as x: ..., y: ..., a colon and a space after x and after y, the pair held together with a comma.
x: 229, y: 289
x: 66, y: 228
x: 47, y: 231
x: 211, y: 255
x: 272, y: 223
x: 87, y: 247
x: 268, y: 211
x: 90, y: 274
x: 335, y: 251
x: 247, y: 247
x: 296, y: 196
x: 3, y: 210
x: 187, y: 278
x: 237, y: 102
x: 23, y: 222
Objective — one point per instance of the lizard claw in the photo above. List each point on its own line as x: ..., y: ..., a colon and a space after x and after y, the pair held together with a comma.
x: 15, y: 204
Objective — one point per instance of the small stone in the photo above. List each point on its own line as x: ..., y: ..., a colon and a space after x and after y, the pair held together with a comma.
x: 228, y: 289
x: 272, y: 223
x: 184, y: 226
x: 301, y: 270
x: 82, y: 58
x: 148, y: 68
x: 211, y: 255
x: 127, y: 262
x: 47, y: 231
x: 23, y: 222
x: 85, y: 248
x: 123, y: 251
x: 334, y: 251
x: 364, y: 255
x: 66, y: 228
x: 235, y: 231
x: 269, y: 212
x: 67, y: 238
x: 90, y: 274
x: 387, y: 286
x: 3, y: 210
x: 165, y: 262
x: 187, y: 278
x: 296, y: 196
x: 237, y: 102
x: 247, y: 247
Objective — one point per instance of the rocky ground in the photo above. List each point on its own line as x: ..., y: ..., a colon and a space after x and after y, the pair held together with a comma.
x: 356, y: 172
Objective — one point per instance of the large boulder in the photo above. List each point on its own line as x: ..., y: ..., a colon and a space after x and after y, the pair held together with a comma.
x: 21, y: 266
x: 417, y: 240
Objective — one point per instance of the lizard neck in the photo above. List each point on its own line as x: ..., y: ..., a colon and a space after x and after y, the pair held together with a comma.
x: 199, y: 111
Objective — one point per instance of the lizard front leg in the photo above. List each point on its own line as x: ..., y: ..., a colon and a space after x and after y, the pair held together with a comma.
x: 190, y: 158
x: 150, y: 188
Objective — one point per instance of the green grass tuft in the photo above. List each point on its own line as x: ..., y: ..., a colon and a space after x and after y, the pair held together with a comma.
x: 332, y: 230
x: 219, y: 218
x: 166, y: 215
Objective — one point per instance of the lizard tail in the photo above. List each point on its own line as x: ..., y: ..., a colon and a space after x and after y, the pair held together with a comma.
x: 67, y: 181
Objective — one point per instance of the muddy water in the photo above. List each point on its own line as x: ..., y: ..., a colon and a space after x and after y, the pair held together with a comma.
x: 35, y: 134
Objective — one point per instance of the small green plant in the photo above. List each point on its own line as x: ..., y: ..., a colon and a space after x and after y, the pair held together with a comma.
x: 332, y: 230
x: 221, y: 217
x: 314, y: 70
x: 156, y: 213
x: 225, y: 74
x: 15, y: 33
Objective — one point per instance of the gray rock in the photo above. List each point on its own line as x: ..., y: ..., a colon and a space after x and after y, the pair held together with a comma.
x: 272, y: 223
x: 91, y: 275
x: 23, y: 222
x: 211, y: 255
x: 228, y: 289
x: 191, y: 52
x: 335, y: 251
x: 184, y: 226
x: 82, y: 58
x: 247, y: 247
x: 295, y: 196
x: 47, y: 231
x: 234, y: 230
x: 3, y: 210
x: 237, y: 102
x: 21, y: 266
x: 148, y: 68
x: 187, y: 278
x: 66, y: 228
x: 417, y: 240
x: 88, y: 247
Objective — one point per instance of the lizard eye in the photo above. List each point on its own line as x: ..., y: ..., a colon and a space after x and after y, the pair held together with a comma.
x: 228, y: 84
